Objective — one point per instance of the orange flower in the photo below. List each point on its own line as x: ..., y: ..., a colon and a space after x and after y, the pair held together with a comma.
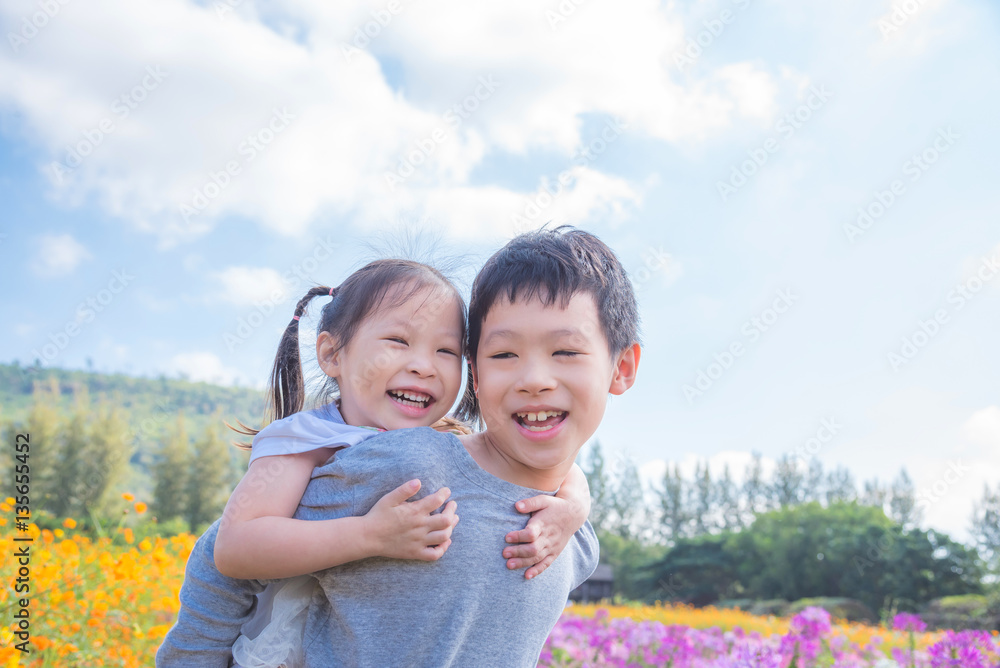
x: 69, y: 523
x: 128, y: 497
x: 129, y: 536
x: 140, y: 507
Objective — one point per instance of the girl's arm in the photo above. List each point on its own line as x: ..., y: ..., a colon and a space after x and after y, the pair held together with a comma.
x: 554, y: 520
x: 259, y: 539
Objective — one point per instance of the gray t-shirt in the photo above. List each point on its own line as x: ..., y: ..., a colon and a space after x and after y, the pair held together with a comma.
x: 466, y: 609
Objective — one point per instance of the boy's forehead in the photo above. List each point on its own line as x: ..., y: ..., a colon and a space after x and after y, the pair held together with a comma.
x: 578, y: 315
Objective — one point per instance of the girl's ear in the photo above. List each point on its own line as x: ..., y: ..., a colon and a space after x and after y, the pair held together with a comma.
x: 328, y: 355
x: 625, y: 369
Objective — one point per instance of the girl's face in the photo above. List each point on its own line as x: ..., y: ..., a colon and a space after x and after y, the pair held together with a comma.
x: 403, y: 367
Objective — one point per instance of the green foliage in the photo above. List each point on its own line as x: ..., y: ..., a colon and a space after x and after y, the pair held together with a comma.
x: 85, y: 452
x: 846, y: 551
x: 207, y: 480
x: 630, y: 561
x: 697, y: 570
x: 170, y: 475
x: 149, y: 404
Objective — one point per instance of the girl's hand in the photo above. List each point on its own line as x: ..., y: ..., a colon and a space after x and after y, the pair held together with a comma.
x: 552, y: 525
x: 402, y: 529
x: 553, y: 522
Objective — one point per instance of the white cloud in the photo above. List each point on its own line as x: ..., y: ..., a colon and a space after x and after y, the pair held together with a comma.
x: 203, y: 366
x: 983, y: 428
x: 220, y: 79
x: 248, y: 286
x: 58, y: 255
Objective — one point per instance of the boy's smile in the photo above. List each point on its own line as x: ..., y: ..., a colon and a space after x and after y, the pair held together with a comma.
x: 542, y: 375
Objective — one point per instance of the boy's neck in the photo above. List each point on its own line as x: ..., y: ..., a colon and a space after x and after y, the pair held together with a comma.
x: 496, y: 462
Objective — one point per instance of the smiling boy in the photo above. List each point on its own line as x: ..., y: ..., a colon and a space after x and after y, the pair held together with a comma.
x: 544, y: 355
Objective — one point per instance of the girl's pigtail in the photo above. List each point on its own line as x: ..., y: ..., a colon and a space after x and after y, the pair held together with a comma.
x: 286, y: 387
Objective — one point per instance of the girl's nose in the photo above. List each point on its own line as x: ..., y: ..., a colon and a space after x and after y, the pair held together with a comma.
x: 420, y: 364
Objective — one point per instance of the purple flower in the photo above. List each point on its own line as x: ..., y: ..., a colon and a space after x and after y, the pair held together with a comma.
x: 812, y: 622
x: 904, y: 621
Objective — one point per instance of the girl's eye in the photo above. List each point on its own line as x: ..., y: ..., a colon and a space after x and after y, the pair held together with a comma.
x: 501, y: 356
x: 396, y: 339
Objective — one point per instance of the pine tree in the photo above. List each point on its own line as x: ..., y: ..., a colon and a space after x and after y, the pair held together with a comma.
x: 985, y: 527
x: 68, y: 485
x: 597, y: 480
x: 207, y: 490
x: 840, y: 486
x: 44, y: 428
x: 755, y: 490
x: 903, y: 501
x: 673, y: 507
x: 788, y: 482
x: 627, y: 501
x: 702, y: 500
x: 170, y: 474
x: 104, y: 459
x: 728, y: 501
x: 814, y: 481
x: 874, y: 494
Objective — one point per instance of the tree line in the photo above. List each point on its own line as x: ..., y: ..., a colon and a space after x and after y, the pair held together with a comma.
x: 800, y: 531
x: 82, y: 460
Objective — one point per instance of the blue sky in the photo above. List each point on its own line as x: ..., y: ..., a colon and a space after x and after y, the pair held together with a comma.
x: 233, y: 157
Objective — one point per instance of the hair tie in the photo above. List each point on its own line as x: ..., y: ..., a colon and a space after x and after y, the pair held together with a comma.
x: 331, y: 292
x: 295, y: 317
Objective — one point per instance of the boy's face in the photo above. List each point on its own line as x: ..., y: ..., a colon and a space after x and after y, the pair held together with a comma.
x: 543, y: 374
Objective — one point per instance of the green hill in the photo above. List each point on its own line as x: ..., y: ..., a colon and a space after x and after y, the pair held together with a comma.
x: 152, y: 405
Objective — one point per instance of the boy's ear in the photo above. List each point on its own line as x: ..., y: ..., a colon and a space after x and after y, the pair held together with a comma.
x: 327, y: 354
x: 625, y: 369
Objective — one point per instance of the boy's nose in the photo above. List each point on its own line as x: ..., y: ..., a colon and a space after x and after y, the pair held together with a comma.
x: 536, y: 378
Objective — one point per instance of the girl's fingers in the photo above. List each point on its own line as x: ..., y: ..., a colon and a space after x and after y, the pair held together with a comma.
x: 534, y: 504
x: 526, y: 551
x: 436, y: 552
x: 539, y: 567
x: 438, y: 537
x: 439, y: 522
x: 433, y: 501
x: 528, y: 534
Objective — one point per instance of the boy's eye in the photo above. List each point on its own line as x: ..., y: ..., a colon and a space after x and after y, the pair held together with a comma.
x: 448, y: 351
x: 568, y: 353
x: 396, y: 339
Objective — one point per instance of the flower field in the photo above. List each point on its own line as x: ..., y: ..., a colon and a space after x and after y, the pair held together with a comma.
x: 109, y: 602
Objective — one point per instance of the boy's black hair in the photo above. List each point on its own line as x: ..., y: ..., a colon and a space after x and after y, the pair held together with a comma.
x: 553, y: 265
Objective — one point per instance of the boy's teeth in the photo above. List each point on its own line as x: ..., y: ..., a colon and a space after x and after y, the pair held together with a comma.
x: 542, y: 415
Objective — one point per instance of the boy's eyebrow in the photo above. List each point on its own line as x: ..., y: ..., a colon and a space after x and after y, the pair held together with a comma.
x: 511, y: 334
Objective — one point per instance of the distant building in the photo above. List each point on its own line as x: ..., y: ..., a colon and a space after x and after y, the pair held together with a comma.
x: 598, y: 586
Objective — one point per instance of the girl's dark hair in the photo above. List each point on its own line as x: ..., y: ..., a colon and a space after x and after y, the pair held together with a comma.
x: 552, y: 265
x: 363, y: 293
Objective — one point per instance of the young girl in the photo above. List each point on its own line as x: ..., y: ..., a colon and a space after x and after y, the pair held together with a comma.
x: 390, y: 344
